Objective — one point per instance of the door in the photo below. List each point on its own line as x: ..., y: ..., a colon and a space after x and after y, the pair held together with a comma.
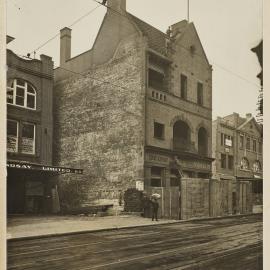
x: 15, y: 195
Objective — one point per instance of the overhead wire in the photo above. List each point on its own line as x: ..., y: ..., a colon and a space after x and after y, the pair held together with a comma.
x: 122, y: 15
x: 56, y: 35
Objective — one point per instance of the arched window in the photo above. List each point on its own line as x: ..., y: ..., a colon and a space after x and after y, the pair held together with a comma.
x: 181, y: 136
x: 202, y: 142
x: 244, y: 165
x: 21, y: 93
x: 257, y: 166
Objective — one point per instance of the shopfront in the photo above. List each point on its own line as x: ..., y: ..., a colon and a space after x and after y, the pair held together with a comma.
x: 32, y: 188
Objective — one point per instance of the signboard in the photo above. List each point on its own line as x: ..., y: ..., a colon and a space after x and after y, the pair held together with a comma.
x: 158, y: 158
x: 140, y: 185
x: 27, y: 145
x: 228, y: 142
x: 12, y: 142
x: 37, y: 167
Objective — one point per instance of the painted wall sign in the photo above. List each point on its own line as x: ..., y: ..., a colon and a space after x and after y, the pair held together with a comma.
x: 36, y: 167
x: 153, y: 157
x: 195, y: 164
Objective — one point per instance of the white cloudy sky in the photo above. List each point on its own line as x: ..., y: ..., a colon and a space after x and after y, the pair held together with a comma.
x: 228, y: 29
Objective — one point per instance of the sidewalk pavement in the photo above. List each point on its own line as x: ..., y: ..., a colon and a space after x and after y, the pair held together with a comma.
x: 41, y: 226
x: 22, y: 227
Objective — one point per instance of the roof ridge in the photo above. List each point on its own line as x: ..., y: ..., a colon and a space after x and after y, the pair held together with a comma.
x: 147, y: 24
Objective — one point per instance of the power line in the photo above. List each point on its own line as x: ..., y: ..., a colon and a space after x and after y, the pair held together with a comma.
x: 217, y: 65
x: 75, y: 22
x: 120, y: 14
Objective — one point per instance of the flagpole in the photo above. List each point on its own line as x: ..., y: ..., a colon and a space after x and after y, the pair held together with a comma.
x: 188, y: 10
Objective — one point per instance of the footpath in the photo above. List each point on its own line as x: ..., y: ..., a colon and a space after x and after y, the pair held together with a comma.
x: 30, y: 227
x: 42, y: 226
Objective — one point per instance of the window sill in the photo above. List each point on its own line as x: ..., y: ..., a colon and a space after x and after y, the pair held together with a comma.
x: 22, y: 154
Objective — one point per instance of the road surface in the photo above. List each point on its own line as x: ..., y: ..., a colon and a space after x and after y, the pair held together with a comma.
x: 218, y: 244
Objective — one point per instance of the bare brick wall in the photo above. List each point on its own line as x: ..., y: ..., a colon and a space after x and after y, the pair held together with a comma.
x: 99, y: 127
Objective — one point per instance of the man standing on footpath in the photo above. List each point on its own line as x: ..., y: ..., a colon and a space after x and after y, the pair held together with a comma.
x: 155, y: 206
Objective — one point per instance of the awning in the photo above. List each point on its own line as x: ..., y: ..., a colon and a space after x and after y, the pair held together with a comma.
x: 40, y: 167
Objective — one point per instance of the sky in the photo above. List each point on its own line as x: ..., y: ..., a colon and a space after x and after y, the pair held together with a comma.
x: 227, y: 29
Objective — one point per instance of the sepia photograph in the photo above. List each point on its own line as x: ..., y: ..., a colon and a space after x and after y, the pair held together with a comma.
x: 133, y: 134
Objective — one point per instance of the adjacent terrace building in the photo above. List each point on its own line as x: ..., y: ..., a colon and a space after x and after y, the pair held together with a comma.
x: 237, y: 149
x: 135, y: 111
x: 31, y: 185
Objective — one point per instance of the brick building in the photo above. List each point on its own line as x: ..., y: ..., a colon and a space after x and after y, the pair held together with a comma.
x: 135, y: 110
x: 31, y: 186
x: 237, y: 149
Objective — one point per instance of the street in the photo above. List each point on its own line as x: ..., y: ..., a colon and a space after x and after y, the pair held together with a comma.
x: 217, y: 244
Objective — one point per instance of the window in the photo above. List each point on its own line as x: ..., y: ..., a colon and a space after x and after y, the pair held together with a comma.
x: 21, y: 94
x: 254, y: 146
x: 241, y: 142
x: 248, y: 143
x: 23, y: 143
x: 223, y: 161
x: 230, y: 162
x: 226, y: 140
x: 200, y: 93
x: 183, y: 90
x: 156, y: 176
x: 158, y: 130
x: 257, y: 166
x: 156, y: 79
x: 244, y: 164
x: 260, y: 147
x: 28, y: 139
x: 12, y: 136
x: 221, y: 139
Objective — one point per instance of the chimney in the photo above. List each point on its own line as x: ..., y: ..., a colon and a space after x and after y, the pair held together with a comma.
x: 248, y: 115
x: 65, y: 45
x: 117, y: 5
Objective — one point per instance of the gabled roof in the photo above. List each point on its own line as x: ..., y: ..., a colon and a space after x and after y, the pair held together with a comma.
x: 156, y: 38
x: 248, y: 121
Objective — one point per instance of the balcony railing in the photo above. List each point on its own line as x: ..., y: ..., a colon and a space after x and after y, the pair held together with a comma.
x: 180, y: 144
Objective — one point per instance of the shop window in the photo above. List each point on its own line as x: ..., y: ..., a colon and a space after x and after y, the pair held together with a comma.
x: 254, y: 146
x: 156, y: 176
x: 156, y: 79
x: 223, y: 161
x: 28, y: 139
x: 244, y: 164
x: 158, y: 130
x: 21, y: 93
x: 183, y: 85
x: 200, y: 94
x: 12, y: 136
x: 248, y: 143
x: 241, y: 142
x: 230, y: 162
